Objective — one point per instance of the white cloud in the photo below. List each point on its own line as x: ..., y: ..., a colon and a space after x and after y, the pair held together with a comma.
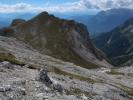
x: 108, y: 4
x: 67, y: 7
x: 23, y: 7
x: 79, y: 6
x: 14, y: 8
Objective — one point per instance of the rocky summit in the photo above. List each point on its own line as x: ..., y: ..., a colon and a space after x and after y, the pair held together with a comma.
x: 59, y: 38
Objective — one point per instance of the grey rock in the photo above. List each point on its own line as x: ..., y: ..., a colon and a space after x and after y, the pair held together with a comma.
x: 17, y: 93
x: 5, y: 88
x: 21, y: 91
x: 43, y: 77
x: 57, y: 87
x: 19, y: 82
x: 7, y: 65
x: 41, y: 96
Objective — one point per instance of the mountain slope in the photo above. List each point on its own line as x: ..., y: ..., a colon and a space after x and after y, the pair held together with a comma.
x: 59, y: 38
x: 70, y: 82
x: 118, y: 44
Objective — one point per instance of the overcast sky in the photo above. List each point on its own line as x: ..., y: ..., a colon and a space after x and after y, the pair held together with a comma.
x: 62, y: 6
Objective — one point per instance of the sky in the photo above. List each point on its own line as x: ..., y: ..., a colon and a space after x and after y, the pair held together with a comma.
x: 62, y: 6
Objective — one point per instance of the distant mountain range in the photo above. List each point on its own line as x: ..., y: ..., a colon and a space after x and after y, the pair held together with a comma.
x: 6, y: 18
x: 105, y: 21
x: 118, y: 43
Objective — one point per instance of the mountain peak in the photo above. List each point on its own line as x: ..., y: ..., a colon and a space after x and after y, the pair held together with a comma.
x: 44, y: 13
x: 17, y: 22
x: 63, y: 39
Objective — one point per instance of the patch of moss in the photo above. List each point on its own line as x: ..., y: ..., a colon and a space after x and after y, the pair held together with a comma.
x: 33, y: 66
x: 130, y: 74
x: 128, y: 90
x: 71, y: 75
x: 74, y: 91
x: 79, y: 92
x: 10, y: 58
x: 124, y: 88
x: 114, y: 72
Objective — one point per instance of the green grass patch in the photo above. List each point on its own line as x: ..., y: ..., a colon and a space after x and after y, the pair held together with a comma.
x: 130, y: 74
x: 10, y: 58
x: 128, y: 90
x: 114, y: 72
x: 79, y: 92
x: 71, y: 75
x: 74, y: 91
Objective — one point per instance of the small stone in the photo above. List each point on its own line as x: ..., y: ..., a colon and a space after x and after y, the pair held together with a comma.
x: 41, y: 96
x: 5, y: 88
x: 7, y: 65
x: 58, y: 87
x: 19, y: 82
x: 21, y: 91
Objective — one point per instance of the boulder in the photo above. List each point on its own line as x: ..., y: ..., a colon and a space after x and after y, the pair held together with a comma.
x: 5, y: 88
x: 7, y: 65
x: 41, y: 96
x: 43, y: 77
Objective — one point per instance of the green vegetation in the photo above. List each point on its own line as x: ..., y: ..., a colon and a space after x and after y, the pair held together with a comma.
x: 77, y: 92
x: 74, y: 91
x: 128, y: 90
x: 130, y: 74
x: 10, y: 58
x: 71, y: 75
x: 114, y: 72
x: 33, y: 66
